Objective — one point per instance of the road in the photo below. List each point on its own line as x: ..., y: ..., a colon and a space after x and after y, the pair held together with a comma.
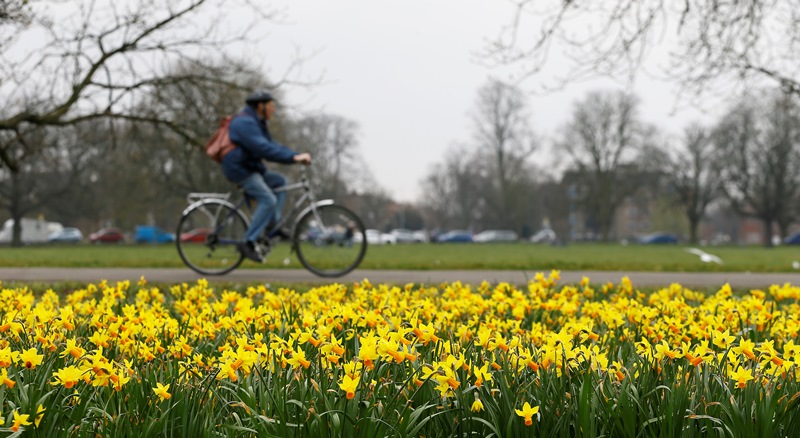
x: 179, y: 275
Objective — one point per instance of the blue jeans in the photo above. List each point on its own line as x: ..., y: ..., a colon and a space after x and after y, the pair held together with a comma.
x: 259, y: 187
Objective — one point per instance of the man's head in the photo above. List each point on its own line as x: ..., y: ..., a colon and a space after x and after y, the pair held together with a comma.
x: 263, y: 103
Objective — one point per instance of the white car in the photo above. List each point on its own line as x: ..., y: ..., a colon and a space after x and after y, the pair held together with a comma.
x: 421, y: 236
x: 495, y: 236
x: 402, y: 235
x: 375, y: 237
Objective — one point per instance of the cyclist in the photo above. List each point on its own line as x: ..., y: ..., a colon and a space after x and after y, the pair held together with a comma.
x: 243, y: 166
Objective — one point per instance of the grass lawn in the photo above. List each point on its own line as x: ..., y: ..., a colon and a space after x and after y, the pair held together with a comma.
x: 515, y: 256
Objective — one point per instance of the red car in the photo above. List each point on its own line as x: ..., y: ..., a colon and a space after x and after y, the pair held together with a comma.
x: 107, y: 235
x: 197, y: 235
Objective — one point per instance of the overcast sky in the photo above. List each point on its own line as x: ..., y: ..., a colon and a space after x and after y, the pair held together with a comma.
x: 408, y: 74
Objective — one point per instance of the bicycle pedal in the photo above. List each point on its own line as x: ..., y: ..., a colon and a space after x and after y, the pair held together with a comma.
x: 263, y: 248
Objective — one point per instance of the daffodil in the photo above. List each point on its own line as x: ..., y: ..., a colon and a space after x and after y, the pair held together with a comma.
x: 298, y: 359
x: 99, y: 339
x: 723, y: 340
x: 482, y: 374
x: 30, y: 358
x: 227, y: 370
x: 72, y: 349
x: 7, y: 357
x: 742, y: 376
x: 349, y: 385
x: 5, y: 380
x: 39, y: 415
x: 67, y: 376
x: 527, y: 412
x: 745, y: 348
x: 477, y: 406
x: 20, y: 420
x: 119, y: 379
x: 161, y: 391
x: 663, y: 350
x: 353, y: 369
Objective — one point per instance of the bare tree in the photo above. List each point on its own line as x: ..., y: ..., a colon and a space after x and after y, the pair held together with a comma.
x: 715, y: 41
x: 451, y: 190
x: 101, y: 60
x: 12, y: 11
x: 759, y: 140
x: 693, y: 173
x: 503, y: 140
x: 60, y: 167
x: 182, y: 166
x: 603, y: 138
x: 333, y: 142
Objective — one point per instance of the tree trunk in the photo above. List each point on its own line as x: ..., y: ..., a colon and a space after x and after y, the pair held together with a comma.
x: 767, y: 232
x: 16, y: 213
x: 693, y: 224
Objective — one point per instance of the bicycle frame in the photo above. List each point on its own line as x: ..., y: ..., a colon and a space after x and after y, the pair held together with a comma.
x: 199, y: 199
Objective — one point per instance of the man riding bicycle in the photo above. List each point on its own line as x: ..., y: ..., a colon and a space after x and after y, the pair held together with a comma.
x: 244, y: 166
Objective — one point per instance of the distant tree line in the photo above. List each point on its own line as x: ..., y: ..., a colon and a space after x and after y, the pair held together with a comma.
x: 745, y: 163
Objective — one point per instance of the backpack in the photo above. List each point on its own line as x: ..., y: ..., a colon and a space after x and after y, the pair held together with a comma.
x: 220, y: 143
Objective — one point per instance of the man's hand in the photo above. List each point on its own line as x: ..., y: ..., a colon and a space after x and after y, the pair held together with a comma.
x: 304, y: 158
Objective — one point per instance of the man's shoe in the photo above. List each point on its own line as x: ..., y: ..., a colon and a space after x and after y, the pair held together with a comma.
x: 249, y: 250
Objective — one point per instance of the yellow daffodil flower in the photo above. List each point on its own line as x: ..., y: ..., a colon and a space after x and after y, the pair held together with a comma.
x: 39, y: 415
x: 161, y: 391
x: 68, y: 376
x: 723, y: 340
x: 8, y: 357
x: 745, y: 348
x: 482, y: 374
x: 742, y: 376
x: 30, y: 358
x: 527, y: 412
x: 5, y: 380
x: 349, y: 385
x: 20, y: 420
x: 72, y: 349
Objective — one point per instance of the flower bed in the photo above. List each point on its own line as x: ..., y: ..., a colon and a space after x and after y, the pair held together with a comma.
x: 375, y: 360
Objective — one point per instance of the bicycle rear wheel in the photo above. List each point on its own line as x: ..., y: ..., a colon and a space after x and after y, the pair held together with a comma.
x: 208, y: 237
x: 330, y: 240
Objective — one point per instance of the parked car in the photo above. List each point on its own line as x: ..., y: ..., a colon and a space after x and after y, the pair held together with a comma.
x: 495, y: 236
x: 107, y: 235
x: 421, y: 236
x: 455, y: 236
x: 32, y: 230
x: 197, y: 235
x: 545, y: 235
x: 66, y: 235
x: 151, y: 234
x: 402, y: 235
x: 375, y: 237
x: 792, y: 239
x: 334, y: 235
x: 659, y: 238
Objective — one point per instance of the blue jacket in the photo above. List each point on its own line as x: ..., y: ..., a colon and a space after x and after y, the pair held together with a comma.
x: 254, y: 143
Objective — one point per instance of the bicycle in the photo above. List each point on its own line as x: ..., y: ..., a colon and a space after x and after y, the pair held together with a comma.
x: 329, y: 239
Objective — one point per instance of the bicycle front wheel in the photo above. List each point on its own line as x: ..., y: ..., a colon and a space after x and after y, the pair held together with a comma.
x: 209, y: 235
x: 330, y: 240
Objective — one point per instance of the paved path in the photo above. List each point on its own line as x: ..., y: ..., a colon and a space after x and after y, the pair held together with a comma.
x: 169, y: 275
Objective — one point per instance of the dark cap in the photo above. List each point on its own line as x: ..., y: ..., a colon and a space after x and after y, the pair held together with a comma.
x: 257, y: 97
